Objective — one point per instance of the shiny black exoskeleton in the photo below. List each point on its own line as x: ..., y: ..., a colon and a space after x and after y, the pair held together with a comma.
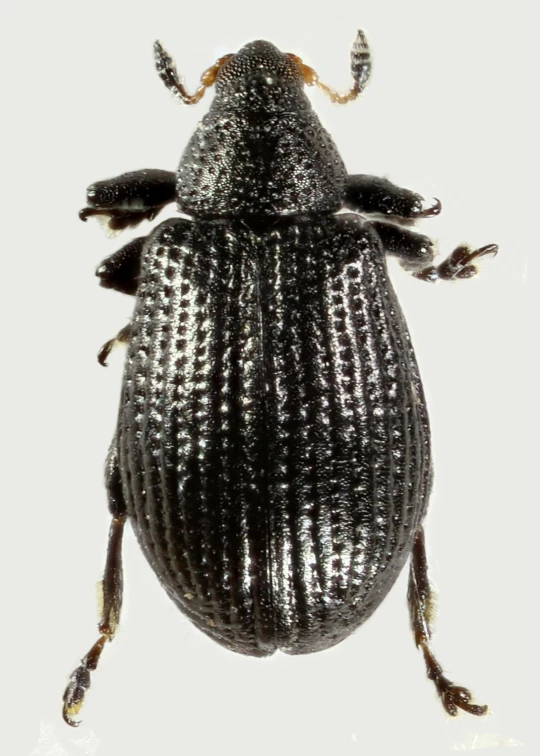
x: 272, y: 451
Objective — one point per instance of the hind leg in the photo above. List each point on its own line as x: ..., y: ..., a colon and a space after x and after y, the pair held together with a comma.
x: 421, y: 602
x: 111, y: 586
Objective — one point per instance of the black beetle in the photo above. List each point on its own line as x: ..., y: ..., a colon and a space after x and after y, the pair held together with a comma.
x: 273, y: 447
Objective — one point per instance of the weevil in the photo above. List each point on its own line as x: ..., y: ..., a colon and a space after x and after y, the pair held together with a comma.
x: 272, y: 450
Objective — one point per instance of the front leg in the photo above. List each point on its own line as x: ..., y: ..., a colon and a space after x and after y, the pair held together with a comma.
x: 128, y: 199
x: 416, y: 252
x: 378, y: 196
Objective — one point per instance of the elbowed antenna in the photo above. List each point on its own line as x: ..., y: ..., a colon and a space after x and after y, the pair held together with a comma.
x: 169, y: 76
x: 360, y: 69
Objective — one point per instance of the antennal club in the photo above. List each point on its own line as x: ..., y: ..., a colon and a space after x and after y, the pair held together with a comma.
x: 360, y: 69
x: 169, y: 75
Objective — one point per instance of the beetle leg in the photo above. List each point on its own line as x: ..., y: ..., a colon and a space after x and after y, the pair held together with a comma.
x: 111, y: 585
x: 460, y: 264
x: 121, y: 270
x: 371, y: 194
x: 122, y: 337
x: 111, y: 593
x: 421, y: 609
x: 412, y: 249
x: 128, y: 199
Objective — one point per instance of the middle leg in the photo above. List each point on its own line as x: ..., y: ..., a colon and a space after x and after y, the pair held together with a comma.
x: 416, y: 252
x: 122, y: 337
x: 120, y: 271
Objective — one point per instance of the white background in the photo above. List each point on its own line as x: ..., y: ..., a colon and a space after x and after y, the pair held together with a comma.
x: 451, y: 111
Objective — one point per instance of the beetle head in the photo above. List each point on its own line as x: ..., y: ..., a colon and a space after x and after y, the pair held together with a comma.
x: 261, y: 77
